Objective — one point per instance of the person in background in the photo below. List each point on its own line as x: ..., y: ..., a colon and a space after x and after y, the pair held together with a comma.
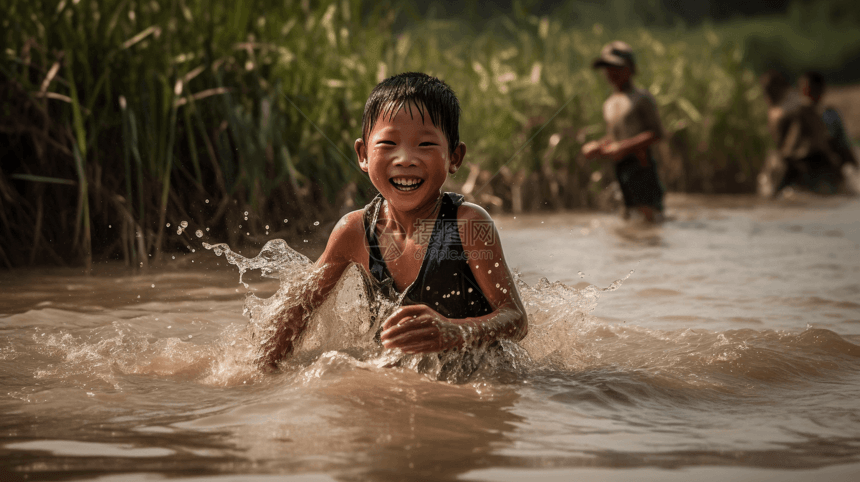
x: 776, y: 89
x: 776, y: 93
x: 632, y: 126
x: 812, y: 88
x: 801, y: 140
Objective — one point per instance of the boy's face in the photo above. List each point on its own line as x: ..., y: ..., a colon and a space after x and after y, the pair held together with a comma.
x: 408, y: 159
x: 617, y: 76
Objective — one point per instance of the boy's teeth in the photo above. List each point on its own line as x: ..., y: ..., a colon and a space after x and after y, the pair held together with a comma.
x: 406, y: 184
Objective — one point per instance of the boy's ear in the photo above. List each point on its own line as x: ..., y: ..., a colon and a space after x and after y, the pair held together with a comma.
x: 457, y: 158
x: 361, y: 152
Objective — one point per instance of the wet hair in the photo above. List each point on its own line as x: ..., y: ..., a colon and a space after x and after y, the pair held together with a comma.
x: 427, y: 94
x: 775, y: 86
x: 816, y: 83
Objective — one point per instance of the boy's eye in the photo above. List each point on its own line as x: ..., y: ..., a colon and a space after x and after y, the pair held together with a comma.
x: 427, y: 144
x: 387, y: 143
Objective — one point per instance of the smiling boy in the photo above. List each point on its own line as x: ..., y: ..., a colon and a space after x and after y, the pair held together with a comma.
x: 437, y: 256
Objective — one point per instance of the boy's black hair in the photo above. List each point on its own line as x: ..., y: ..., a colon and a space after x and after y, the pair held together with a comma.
x: 816, y: 83
x: 414, y: 89
x: 775, y: 86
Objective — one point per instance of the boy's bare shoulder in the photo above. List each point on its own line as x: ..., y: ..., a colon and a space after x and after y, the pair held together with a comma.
x: 347, y: 239
x: 473, y: 212
x: 350, y: 226
x: 478, y: 231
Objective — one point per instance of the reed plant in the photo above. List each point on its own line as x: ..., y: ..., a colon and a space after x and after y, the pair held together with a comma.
x: 123, y: 118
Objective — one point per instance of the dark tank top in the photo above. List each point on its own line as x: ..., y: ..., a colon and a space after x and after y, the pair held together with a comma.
x: 445, y: 281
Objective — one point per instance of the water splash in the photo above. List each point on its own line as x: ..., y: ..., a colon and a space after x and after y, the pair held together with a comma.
x: 349, y: 320
x: 275, y: 260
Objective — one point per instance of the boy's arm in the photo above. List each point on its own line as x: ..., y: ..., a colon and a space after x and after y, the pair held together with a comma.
x: 592, y: 149
x: 344, y: 247
x: 638, y: 143
x: 419, y: 329
x: 646, y: 109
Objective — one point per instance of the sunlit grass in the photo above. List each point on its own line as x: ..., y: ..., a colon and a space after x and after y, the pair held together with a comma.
x: 124, y: 116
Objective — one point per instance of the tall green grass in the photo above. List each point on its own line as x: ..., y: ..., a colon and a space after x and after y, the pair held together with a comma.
x: 176, y: 110
x: 124, y: 116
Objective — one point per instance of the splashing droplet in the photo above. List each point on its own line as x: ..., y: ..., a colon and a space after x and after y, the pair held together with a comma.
x: 267, y: 226
x: 199, y: 233
x: 286, y: 221
x: 168, y: 225
x: 183, y: 224
x: 246, y: 213
x: 179, y: 231
x: 207, y: 201
x: 316, y: 223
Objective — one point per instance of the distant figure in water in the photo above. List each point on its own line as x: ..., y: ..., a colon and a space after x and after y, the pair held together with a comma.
x: 632, y: 125
x: 438, y: 256
x: 812, y: 89
x: 801, y: 138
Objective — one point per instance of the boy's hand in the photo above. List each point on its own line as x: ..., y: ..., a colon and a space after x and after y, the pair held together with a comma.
x: 591, y: 149
x: 612, y: 150
x: 419, y: 329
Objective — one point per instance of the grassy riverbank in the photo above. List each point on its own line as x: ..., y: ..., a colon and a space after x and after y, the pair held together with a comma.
x: 123, y: 117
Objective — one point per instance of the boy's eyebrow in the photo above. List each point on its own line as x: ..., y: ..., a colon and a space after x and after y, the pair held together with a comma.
x: 424, y: 130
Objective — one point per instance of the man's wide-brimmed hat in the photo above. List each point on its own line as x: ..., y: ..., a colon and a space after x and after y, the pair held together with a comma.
x: 616, y: 54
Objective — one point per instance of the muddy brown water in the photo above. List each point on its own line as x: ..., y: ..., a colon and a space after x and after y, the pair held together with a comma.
x: 732, y: 351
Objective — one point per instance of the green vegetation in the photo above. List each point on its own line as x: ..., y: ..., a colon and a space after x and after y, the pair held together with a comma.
x: 123, y: 116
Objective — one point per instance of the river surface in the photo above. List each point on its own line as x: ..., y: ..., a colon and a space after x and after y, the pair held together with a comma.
x: 730, y: 349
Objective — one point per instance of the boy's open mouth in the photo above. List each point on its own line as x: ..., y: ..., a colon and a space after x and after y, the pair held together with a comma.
x: 406, y: 183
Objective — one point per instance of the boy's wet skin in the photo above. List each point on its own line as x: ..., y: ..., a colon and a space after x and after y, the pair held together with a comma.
x: 407, y: 149
x: 408, y: 158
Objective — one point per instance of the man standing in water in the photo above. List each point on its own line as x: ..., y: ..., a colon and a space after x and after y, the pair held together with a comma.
x: 812, y: 89
x: 801, y: 138
x: 632, y: 126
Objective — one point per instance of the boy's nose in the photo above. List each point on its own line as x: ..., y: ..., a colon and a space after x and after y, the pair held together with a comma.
x: 405, y: 157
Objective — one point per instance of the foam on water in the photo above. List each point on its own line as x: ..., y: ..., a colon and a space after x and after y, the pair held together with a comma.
x: 563, y: 335
x: 564, y: 338
x: 650, y: 375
